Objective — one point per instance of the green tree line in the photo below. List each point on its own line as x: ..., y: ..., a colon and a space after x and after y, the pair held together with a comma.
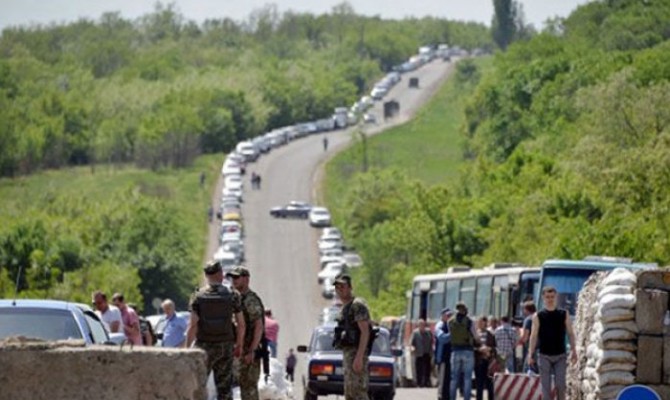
x: 566, y: 154
x: 159, y: 90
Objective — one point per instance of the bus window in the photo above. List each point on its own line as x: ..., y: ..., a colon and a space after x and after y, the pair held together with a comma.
x: 435, y: 300
x: 528, y: 287
x: 500, y: 296
x: 568, y: 283
x: 453, y: 287
x: 468, y: 292
x: 416, y: 303
x: 483, y: 306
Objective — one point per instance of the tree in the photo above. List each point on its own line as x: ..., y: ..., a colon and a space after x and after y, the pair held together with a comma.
x: 503, y: 26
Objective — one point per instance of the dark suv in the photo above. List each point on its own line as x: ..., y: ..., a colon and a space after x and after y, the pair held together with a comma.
x: 324, y: 375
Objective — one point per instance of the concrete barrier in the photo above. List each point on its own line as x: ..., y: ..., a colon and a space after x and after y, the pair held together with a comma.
x: 69, y: 371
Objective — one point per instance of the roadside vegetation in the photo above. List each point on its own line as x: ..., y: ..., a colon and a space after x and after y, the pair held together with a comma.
x: 565, y: 149
x: 104, y: 124
x: 136, y: 231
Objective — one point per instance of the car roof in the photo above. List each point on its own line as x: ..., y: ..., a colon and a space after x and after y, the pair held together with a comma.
x: 48, y: 304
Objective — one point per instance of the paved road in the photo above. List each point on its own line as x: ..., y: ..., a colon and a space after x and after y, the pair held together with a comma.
x: 282, y: 254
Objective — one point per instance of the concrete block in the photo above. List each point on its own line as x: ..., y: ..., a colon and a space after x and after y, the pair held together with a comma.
x: 650, y: 310
x: 40, y: 371
x: 656, y: 279
x: 649, y: 362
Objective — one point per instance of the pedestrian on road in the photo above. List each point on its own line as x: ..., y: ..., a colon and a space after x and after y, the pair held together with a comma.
x: 506, y: 340
x: 271, y: 332
x: 528, y: 312
x: 175, y: 326
x: 484, y: 355
x: 209, y: 306
x: 108, y: 314
x: 258, y: 182
x: 550, y: 326
x: 291, y: 361
x: 131, y: 322
x: 422, y: 343
x: 210, y: 213
x: 463, y: 344
x: 325, y: 143
x: 253, y: 180
x: 443, y: 354
x: 354, y: 326
x: 252, y: 309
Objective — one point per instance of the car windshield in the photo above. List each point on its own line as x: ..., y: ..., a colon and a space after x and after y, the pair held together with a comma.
x: 45, y: 324
x: 324, y: 343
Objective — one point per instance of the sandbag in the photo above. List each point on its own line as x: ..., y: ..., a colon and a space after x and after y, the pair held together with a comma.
x: 617, y: 334
x: 623, y: 345
x: 609, y: 367
x: 615, y: 289
x: 620, y: 277
x: 630, y: 326
x: 615, y: 378
x: 618, y: 356
x: 610, y: 392
x: 615, y: 315
x: 617, y: 301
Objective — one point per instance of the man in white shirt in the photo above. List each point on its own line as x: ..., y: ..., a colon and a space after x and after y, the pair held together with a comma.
x: 109, y: 315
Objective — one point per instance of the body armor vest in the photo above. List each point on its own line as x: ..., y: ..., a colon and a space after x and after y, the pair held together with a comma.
x: 215, y: 322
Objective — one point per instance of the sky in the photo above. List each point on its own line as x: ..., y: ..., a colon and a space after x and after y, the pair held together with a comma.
x: 25, y: 12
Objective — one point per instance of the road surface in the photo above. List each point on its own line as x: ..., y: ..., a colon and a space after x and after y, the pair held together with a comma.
x: 281, y: 254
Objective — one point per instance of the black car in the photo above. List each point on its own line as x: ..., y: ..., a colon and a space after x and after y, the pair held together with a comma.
x: 324, y: 374
x: 294, y: 209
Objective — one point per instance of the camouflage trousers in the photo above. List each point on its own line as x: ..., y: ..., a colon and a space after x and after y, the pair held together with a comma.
x: 355, y: 385
x: 220, y: 361
x: 248, y: 379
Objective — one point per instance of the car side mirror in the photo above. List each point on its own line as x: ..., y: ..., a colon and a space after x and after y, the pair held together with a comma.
x: 302, y: 349
x: 396, y: 352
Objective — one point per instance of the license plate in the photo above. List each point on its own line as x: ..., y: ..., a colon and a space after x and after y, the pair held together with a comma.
x: 321, y: 378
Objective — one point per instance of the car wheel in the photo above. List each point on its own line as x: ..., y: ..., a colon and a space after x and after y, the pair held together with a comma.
x: 310, y: 396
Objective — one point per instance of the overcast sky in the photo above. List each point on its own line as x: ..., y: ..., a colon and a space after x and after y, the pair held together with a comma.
x: 23, y: 12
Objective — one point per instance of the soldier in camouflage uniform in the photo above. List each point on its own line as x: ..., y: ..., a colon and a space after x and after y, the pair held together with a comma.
x: 354, y: 320
x: 254, y: 317
x: 211, y: 327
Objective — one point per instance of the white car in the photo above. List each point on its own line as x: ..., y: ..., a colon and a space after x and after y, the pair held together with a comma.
x: 329, y: 244
x: 331, y: 270
x: 330, y: 235
x: 332, y: 255
x: 328, y: 290
x: 233, y: 192
x: 231, y: 168
x: 228, y: 259
x: 247, y: 150
x: 319, y: 217
x: 331, y: 231
x: 233, y: 182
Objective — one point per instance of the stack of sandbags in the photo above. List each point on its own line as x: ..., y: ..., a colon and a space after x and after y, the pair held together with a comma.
x: 583, y: 325
x: 608, y: 338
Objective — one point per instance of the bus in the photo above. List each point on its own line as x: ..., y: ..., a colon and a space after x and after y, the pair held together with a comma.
x: 568, y: 276
x: 497, y: 290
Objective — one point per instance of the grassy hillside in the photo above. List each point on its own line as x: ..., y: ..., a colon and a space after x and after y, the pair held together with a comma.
x: 428, y: 148
x: 117, y: 229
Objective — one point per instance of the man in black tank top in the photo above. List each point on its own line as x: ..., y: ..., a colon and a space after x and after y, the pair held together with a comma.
x: 550, y: 325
